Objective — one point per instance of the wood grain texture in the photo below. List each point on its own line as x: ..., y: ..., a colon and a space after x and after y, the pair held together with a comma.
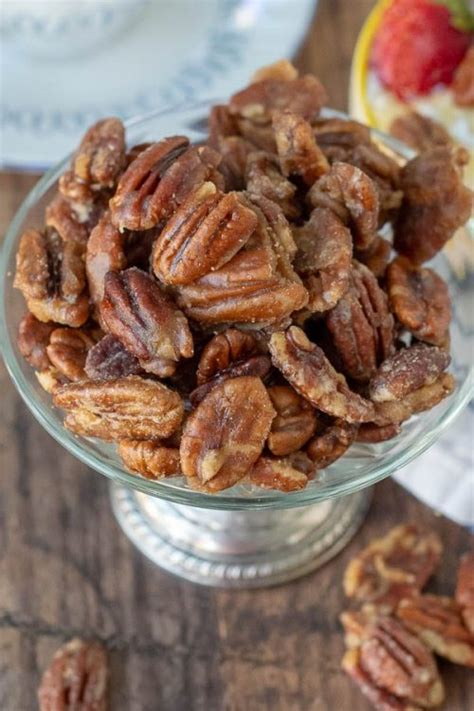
x: 66, y: 569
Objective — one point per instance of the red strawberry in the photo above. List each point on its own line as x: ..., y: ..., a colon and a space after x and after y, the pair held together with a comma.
x: 416, y: 47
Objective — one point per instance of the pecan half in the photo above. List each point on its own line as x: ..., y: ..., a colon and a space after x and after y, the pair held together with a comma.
x: 76, y: 679
x: 101, y: 154
x: 125, y: 408
x: 370, y: 433
x: 408, y: 370
x: 299, y: 155
x: 50, y: 274
x: 463, y: 82
x: 435, y: 203
x: 420, y: 132
x: 394, y: 566
x: 361, y: 325
x: 225, y: 435
x: 222, y: 351
x: 145, y: 320
x: 425, y: 398
x: 33, y: 337
x: 465, y: 589
x: 294, y: 423
x: 150, y: 459
x: 205, y: 232
x: 105, y: 253
x: 306, y: 367
x: 67, y: 351
x: 323, y: 258
x: 330, y: 443
x: 280, y: 474
x: 438, y: 622
x: 420, y: 300
x: 109, y: 359
x: 264, y: 179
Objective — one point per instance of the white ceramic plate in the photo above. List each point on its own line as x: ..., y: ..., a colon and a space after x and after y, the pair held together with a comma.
x: 175, y: 51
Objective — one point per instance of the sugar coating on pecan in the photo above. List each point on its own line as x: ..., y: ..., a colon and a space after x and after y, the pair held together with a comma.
x: 105, y: 253
x: 435, y: 203
x: 295, y: 421
x: 205, y: 232
x: 394, y: 566
x: 76, y: 678
x: 299, y: 155
x: 108, y: 359
x: 420, y: 300
x: 331, y: 442
x: 323, y: 258
x: 263, y: 178
x: 67, y: 351
x: 146, y: 321
x: 32, y: 339
x: 279, y: 474
x: 51, y: 276
x: 226, y: 433
x: 438, y: 622
x: 125, y: 408
x: 408, y: 370
x: 420, y: 132
x: 150, y: 459
x: 308, y: 370
x: 464, y: 593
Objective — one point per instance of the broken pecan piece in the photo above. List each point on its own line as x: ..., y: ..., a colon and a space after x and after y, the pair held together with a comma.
x: 280, y: 474
x: 394, y: 566
x: 330, y: 442
x: 420, y: 300
x: 226, y: 433
x: 465, y: 589
x: 125, y: 408
x: 105, y: 253
x: 76, y: 679
x: 33, y: 337
x: 205, y: 232
x: 299, y: 155
x: 50, y: 274
x: 67, y: 351
x: 145, y: 320
x: 438, y: 622
x: 306, y: 367
x: 294, y: 423
x: 150, y: 459
x: 109, y: 359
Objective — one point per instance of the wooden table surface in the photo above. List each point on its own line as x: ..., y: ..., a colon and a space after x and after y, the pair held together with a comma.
x: 66, y: 569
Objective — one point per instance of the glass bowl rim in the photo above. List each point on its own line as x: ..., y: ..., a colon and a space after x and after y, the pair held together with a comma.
x: 164, y: 488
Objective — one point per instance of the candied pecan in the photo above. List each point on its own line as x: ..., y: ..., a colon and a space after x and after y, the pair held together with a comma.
x: 60, y: 216
x: 306, y: 367
x: 361, y: 325
x: 67, y: 351
x: 33, y: 337
x: 330, y: 442
x: 130, y: 407
x: 280, y: 474
x: 371, y: 433
x: 419, y: 298
x: 205, y: 232
x: 222, y: 351
x: 135, y: 151
x: 425, y: 398
x: 438, y: 622
x: 109, y: 359
x: 221, y: 124
x: 225, y: 435
x: 376, y: 257
x: 257, y: 366
x: 394, y: 566
x: 76, y: 679
x: 352, y: 195
x: 105, y: 253
x: 419, y: 132
x: 463, y: 83
x: 435, y: 203
x: 465, y: 589
x: 298, y: 152
x: 281, y: 69
x: 276, y: 226
x: 408, y: 370
x: 101, y: 154
x: 294, y: 423
x: 145, y: 320
x: 150, y: 459
x: 323, y: 258
x: 264, y: 179
x: 50, y: 274
x: 339, y: 132
x: 51, y: 378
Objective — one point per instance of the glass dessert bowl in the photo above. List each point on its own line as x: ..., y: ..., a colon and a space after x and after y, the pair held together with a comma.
x: 240, y: 536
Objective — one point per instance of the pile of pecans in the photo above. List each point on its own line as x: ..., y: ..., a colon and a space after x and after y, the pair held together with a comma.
x: 392, y: 638
x: 233, y: 311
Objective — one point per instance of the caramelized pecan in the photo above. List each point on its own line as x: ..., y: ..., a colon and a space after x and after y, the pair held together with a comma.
x: 294, y: 423
x: 299, y: 155
x: 150, y: 459
x: 105, y: 253
x: 67, y: 351
x: 394, y: 566
x: 425, y: 398
x: 420, y: 300
x: 225, y: 435
x: 280, y: 474
x: 465, y: 589
x: 264, y: 179
x: 419, y: 132
x: 61, y: 217
x: 101, y: 154
x: 221, y: 124
x: 370, y: 433
x: 33, y: 337
x: 109, y: 359
x: 124, y: 408
x: 330, y: 443
x: 222, y: 351
x: 145, y: 320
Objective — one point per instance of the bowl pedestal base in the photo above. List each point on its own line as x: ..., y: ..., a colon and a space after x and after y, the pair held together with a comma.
x: 238, y: 549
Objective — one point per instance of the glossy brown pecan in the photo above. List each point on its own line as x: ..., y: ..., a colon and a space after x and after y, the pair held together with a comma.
x: 323, y: 259
x: 435, y: 203
x: 394, y: 566
x: 67, y: 351
x: 294, y: 423
x: 108, y: 359
x: 101, y: 154
x: 463, y: 82
x: 225, y: 435
x: 125, y: 408
x: 425, y: 398
x: 299, y: 155
x: 105, y: 253
x: 420, y: 132
x: 361, y: 325
x: 146, y: 321
x: 308, y: 370
x: 420, y: 300
x: 464, y: 594
x: 76, y: 679
x: 51, y: 276
x: 279, y: 474
x: 370, y: 433
x: 205, y: 232
x: 32, y: 339
x: 264, y: 179
x: 150, y: 459
x: 331, y: 442
x: 438, y: 622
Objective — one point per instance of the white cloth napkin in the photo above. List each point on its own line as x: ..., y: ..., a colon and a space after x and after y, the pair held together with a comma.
x: 443, y: 477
